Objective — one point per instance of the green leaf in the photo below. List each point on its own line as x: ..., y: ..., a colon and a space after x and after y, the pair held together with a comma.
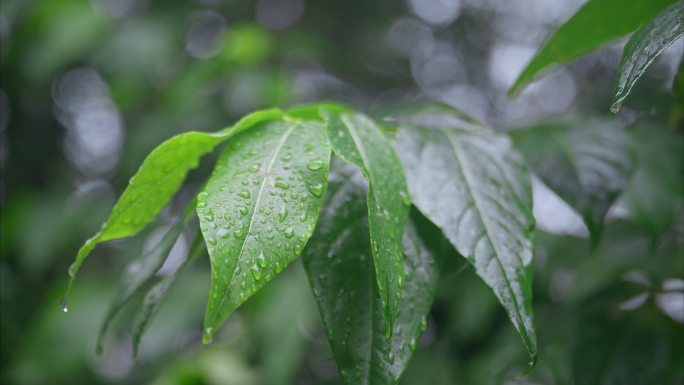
x: 340, y: 268
x: 137, y: 273
x: 644, y: 47
x: 359, y: 141
x: 157, y: 293
x: 588, y: 164
x: 654, y: 196
x: 259, y: 208
x: 157, y: 181
x: 140, y: 271
x: 474, y: 187
x: 596, y: 23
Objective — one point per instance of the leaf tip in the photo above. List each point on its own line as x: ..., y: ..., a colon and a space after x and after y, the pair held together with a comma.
x: 63, y: 304
x: 616, y: 107
x: 530, y: 366
x: 208, y: 335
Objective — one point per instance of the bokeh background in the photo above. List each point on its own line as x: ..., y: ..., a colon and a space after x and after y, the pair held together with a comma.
x: 88, y: 88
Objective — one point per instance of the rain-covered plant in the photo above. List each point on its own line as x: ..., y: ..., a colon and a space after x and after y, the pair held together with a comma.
x: 374, y: 205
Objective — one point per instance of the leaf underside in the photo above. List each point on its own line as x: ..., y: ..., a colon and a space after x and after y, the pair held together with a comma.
x: 259, y: 208
x: 339, y: 263
x: 359, y: 141
x: 588, y: 164
x: 644, y: 47
x: 476, y: 189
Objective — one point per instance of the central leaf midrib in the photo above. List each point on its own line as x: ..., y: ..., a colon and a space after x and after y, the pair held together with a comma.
x: 466, y: 175
x: 277, y: 150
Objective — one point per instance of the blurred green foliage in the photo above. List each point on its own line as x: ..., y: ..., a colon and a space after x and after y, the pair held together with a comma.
x: 88, y: 88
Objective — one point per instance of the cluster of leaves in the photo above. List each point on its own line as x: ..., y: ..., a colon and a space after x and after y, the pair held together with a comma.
x: 655, y: 24
x: 351, y: 195
x: 276, y: 193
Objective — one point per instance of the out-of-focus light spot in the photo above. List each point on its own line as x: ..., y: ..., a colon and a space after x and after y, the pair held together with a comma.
x: 436, y: 12
x: 311, y: 85
x: 637, y: 277
x: 634, y: 302
x: 94, y: 127
x: 437, y: 67
x: 245, y: 93
x: 553, y: 214
x: 506, y: 62
x: 279, y: 14
x: 204, y: 36
x: 116, y: 8
x: 469, y: 99
x: 561, y: 285
x: 407, y: 34
x: 672, y: 304
x: 673, y: 284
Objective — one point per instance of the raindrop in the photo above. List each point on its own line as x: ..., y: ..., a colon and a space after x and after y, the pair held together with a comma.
x: 239, y: 232
x: 208, y: 335
x: 316, y: 190
x: 289, y: 232
x: 244, y: 210
x: 315, y: 165
x: 254, y: 168
x: 282, y: 214
x: 245, y: 194
x: 63, y: 305
x: 256, y: 273
x: 261, y: 260
x: 209, y: 216
x: 281, y: 184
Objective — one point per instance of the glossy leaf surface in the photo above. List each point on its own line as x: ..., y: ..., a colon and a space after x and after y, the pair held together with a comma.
x: 259, y: 208
x: 476, y: 188
x: 644, y: 47
x: 588, y: 164
x: 157, y: 181
x: 359, y: 141
x: 339, y: 263
x: 596, y: 23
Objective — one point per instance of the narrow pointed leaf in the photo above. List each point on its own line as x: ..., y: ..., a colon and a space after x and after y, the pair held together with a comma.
x: 339, y: 264
x: 596, y: 23
x: 140, y: 271
x: 259, y: 208
x: 137, y: 273
x: 588, y: 164
x: 644, y: 47
x: 157, y: 181
x: 359, y: 141
x: 476, y: 188
x: 156, y: 295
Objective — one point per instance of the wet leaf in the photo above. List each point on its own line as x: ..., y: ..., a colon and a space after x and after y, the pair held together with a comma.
x: 339, y: 263
x: 259, y: 208
x: 140, y: 271
x: 476, y: 188
x: 596, y: 23
x: 159, y: 291
x: 359, y: 141
x: 588, y: 164
x: 157, y: 181
x: 644, y: 47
